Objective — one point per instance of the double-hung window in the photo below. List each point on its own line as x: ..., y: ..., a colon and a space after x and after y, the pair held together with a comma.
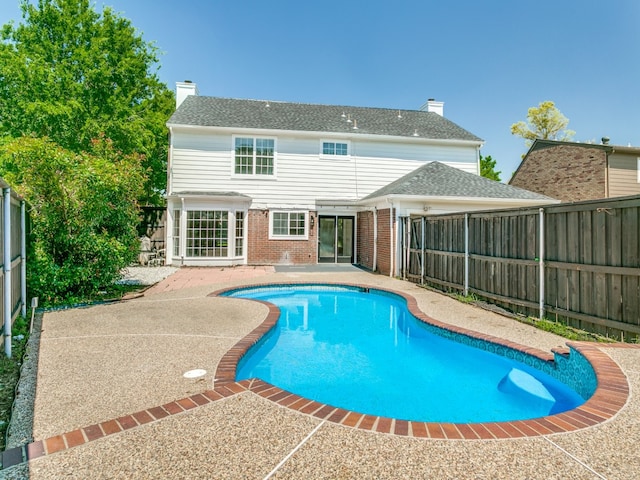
x: 336, y: 149
x: 290, y: 225
x: 254, y: 156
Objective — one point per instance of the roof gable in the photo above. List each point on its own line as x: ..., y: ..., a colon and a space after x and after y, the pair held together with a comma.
x: 436, y: 179
x: 267, y: 115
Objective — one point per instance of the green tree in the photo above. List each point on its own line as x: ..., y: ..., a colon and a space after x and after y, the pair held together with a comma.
x: 545, y: 122
x: 488, y: 168
x: 72, y: 74
x: 83, y: 214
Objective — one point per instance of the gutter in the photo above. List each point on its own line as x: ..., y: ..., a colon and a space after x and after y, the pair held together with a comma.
x: 434, y: 199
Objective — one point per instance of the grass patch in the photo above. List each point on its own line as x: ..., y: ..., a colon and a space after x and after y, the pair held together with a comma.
x: 10, y: 374
x: 471, y: 298
x: 566, y: 331
x: 557, y: 328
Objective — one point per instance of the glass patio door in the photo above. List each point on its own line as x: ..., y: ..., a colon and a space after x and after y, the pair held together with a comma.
x: 335, y: 240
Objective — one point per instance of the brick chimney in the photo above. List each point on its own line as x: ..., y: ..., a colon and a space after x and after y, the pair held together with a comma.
x: 183, y: 90
x: 432, y: 105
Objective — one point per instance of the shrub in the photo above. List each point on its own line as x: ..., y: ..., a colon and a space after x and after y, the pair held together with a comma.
x: 83, y: 214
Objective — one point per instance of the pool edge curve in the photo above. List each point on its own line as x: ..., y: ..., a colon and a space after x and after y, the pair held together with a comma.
x: 609, y: 397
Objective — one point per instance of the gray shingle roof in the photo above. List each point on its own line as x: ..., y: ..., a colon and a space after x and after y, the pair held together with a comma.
x: 238, y: 113
x: 436, y: 179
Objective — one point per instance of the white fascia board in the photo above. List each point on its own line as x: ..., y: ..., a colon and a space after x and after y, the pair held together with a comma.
x: 336, y: 202
x: 312, y: 134
x: 203, y: 196
x: 525, y: 202
x: 338, y: 207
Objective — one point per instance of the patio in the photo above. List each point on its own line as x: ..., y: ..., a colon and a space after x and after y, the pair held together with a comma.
x: 104, y: 372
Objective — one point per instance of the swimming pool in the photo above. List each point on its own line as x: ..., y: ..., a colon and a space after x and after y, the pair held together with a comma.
x: 362, y: 350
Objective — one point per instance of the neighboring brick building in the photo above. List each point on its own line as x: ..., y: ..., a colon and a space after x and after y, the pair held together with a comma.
x: 572, y: 171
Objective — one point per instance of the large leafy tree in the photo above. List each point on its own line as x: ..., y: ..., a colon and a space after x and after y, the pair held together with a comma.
x: 488, y: 168
x: 544, y: 122
x: 83, y: 219
x: 72, y: 74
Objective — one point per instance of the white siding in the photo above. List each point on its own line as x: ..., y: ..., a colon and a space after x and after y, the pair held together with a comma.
x: 204, y: 162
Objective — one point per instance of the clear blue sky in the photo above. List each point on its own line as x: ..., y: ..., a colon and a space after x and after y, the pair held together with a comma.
x: 489, y: 61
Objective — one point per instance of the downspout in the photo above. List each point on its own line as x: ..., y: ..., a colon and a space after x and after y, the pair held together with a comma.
x: 183, y: 231
x: 170, y: 162
x: 375, y: 238
x: 168, y: 232
x: 392, y: 247
x: 355, y: 238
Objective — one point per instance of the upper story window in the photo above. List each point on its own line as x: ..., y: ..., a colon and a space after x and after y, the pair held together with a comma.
x: 254, y: 156
x: 335, y: 148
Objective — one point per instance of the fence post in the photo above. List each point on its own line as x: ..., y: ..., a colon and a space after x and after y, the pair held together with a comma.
x: 466, y: 254
x: 23, y: 258
x: 6, y: 304
x: 423, y: 259
x: 541, y: 262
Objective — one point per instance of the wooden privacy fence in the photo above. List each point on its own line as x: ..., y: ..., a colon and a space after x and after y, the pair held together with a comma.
x: 152, y: 224
x: 13, y: 286
x: 577, y: 262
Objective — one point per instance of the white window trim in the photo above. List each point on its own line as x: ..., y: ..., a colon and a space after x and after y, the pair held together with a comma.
x: 289, y: 237
x: 244, y: 233
x: 335, y: 157
x: 638, y: 159
x: 231, y: 238
x: 254, y: 175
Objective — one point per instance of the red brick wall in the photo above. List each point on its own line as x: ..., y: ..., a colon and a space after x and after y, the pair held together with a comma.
x: 262, y: 251
x: 365, y: 240
x: 566, y: 172
x: 384, y: 240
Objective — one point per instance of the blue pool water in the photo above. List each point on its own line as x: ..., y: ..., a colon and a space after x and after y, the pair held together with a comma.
x: 364, y: 351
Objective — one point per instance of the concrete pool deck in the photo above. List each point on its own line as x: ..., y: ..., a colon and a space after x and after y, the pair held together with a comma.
x: 112, y: 402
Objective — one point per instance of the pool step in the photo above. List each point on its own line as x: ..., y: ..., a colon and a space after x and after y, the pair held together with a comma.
x: 520, y: 383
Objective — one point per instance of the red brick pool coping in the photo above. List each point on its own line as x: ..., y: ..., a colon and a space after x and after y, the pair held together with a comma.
x: 610, y: 396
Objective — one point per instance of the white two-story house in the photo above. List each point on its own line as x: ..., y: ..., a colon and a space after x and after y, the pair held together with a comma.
x: 267, y: 182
